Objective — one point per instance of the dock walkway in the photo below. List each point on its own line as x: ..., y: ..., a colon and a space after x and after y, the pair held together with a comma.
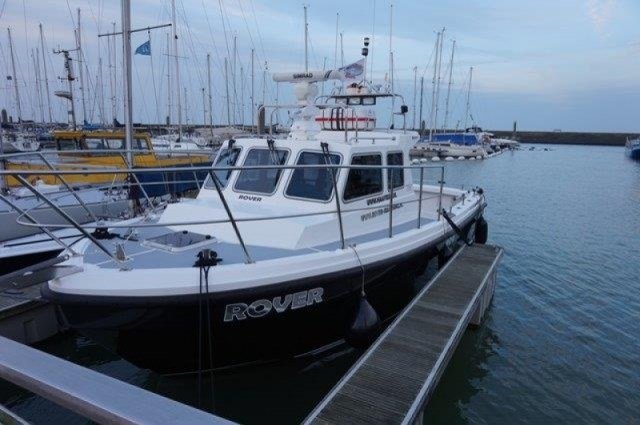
x: 393, y: 380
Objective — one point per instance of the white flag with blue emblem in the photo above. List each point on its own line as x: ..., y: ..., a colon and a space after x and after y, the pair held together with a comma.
x: 144, y: 48
x: 353, y: 70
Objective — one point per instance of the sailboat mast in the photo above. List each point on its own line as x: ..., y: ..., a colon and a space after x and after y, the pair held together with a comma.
x: 433, y: 86
x: 15, y: 80
x: 446, y: 111
x: 439, y: 79
x: 126, y: 68
x: 226, y: 80
x: 242, y: 95
x: 46, y: 77
x: 421, y: 102
x: 113, y: 76
x: 415, y: 93
x: 210, y: 94
x: 177, y: 65
x: 306, y: 41
x: 234, y: 74
x: 393, y: 98
x: 36, y: 66
x: 169, y: 89
x: 80, y: 67
x: 466, y: 115
x: 253, y: 99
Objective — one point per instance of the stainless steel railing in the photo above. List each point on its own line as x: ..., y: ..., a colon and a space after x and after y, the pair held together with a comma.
x: 211, y: 171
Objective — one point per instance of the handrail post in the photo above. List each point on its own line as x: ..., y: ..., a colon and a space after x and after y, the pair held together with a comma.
x: 214, y: 178
x: 71, y: 191
x: 390, y: 180
x: 420, y: 197
x: 65, y: 216
x: 440, y: 197
x: 332, y: 170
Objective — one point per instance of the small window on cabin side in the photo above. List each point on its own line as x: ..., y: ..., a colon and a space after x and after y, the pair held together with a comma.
x: 226, y: 158
x: 262, y: 181
x: 312, y: 183
x: 397, y: 173
x: 67, y: 144
x: 364, y: 181
x: 140, y: 144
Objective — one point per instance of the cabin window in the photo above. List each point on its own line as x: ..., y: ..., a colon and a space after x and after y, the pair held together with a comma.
x: 364, y: 181
x: 312, y: 183
x: 397, y: 173
x: 265, y: 180
x: 140, y: 145
x: 67, y: 144
x: 226, y: 158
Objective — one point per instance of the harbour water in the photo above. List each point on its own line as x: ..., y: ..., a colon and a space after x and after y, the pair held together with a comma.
x: 560, y: 342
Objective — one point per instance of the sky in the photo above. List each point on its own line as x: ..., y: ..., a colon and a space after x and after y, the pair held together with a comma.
x: 572, y: 65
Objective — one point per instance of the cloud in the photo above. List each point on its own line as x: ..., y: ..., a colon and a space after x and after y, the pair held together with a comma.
x: 601, y: 13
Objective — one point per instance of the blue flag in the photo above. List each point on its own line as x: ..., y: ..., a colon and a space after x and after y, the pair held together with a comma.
x: 144, y: 49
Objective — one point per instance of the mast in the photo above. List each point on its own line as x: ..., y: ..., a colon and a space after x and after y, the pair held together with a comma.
x: 335, y: 50
x: 446, y: 111
x: 80, y: 66
x: 415, y: 93
x: 177, y: 65
x: 46, y: 77
x: 36, y: 66
x: 226, y: 80
x: 210, y: 95
x: 186, y: 107
x: 466, y: 115
x: 421, y: 102
x: 433, y: 86
x: 393, y: 99
x: 204, y: 107
x: 306, y: 41
x: 341, y: 50
x: 100, y: 78
x: 169, y: 90
x: 126, y: 68
x: 439, y: 55
x: 234, y: 73
x: 253, y: 100
x: 264, y: 81
x: 15, y: 80
x: 242, y: 95
x: 114, y: 91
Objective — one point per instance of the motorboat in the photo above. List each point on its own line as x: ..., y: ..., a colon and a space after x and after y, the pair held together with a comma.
x: 455, y: 144
x: 284, y: 244
x: 102, y: 149
x: 632, y: 148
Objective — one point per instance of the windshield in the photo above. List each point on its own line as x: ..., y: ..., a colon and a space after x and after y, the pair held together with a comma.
x: 312, y: 183
x: 261, y: 181
x: 226, y: 158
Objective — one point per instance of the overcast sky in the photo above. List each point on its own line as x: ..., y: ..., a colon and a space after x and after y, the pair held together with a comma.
x: 549, y: 64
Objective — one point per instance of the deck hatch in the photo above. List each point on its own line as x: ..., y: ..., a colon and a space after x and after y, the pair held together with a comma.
x: 182, y: 240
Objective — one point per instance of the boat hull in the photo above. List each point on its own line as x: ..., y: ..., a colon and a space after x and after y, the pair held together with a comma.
x: 303, y: 316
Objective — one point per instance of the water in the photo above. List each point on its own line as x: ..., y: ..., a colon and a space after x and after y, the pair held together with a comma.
x: 561, y: 342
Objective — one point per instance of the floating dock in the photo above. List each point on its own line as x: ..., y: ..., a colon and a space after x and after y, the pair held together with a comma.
x: 393, y: 380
